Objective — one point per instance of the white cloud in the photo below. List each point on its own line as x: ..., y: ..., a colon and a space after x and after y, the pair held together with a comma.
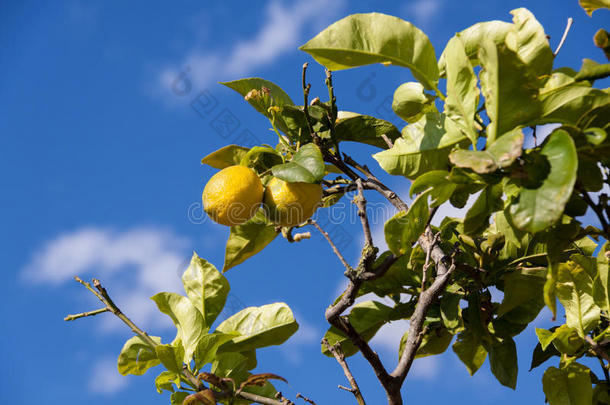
x: 139, y: 261
x: 421, y: 12
x: 281, y: 30
x: 306, y: 335
x: 105, y: 378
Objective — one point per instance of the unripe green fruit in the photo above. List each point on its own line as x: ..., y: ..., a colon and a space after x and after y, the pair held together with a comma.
x: 409, y: 100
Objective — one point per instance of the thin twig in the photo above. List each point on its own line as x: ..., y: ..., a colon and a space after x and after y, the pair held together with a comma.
x: 387, y: 140
x: 597, y: 348
x: 100, y: 292
x: 332, y: 245
x: 565, y: 35
x: 427, y: 262
x: 340, y: 357
x: 426, y: 299
x: 84, y: 314
x: 304, y: 398
x: 361, y: 204
x: 306, y: 88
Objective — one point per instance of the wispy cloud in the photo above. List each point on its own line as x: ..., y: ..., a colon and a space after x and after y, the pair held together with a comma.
x: 140, y: 261
x: 307, y: 335
x: 281, y: 30
x: 421, y: 12
x: 105, y: 378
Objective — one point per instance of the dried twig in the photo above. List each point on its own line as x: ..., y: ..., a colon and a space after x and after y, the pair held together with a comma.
x: 304, y: 398
x: 100, y: 292
x: 564, y: 36
x: 332, y: 245
x: 340, y: 357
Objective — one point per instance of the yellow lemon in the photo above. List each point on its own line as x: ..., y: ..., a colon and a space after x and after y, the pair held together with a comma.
x: 233, y: 195
x: 289, y: 204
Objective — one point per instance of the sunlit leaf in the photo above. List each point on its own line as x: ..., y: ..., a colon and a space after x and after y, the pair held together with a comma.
x: 259, y: 327
x: 206, y: 287
x: 187, y: 318
x: 305, y: 166
x: 570, y: 385
x: 363, y: 39
x: 226, y: 156
x: 537, y: 208
x: 137, y: 356
x: 248, y: 239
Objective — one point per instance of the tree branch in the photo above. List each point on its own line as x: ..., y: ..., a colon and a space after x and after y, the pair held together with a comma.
x: 85, y: 314
x: 304, y: 398
x: 429, y: 243
x: 338, y: 353
x: 332, y: 245
x: 100, y: 292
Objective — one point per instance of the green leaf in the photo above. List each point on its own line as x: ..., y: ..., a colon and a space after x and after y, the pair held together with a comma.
x: 275, y: 97
x: 226, y: 156
x: 206, y: 287
x: 473, y: 36
x: 166, y: 381
x: 262, y: 94
x: 503, y: 362
x: 538, y: 208
x: 591, y: 5
x: 208, y: 346
x: 499, y: 154
x: 259, y: 327
x: 539, y: 355
x: 436, y: 341
x: 437, y: 181
x: 507, y: 85
x: 601, y: 283
x: 306, y: 166
x: 178, y: 398
x: 531, y: 42
x: 488, y: 202
x: 188, y: 320
x: 261, y: 158
x: 403, y: 229
x: 521, y: 291
x: 591, y: 70
x: 171, y: 356
x: 137, y: 356
x: 575, y: 292
x: 462, y: 91
x: 367, y: 318
x: 506, y: 149
x: 425, y: 146
x: 451, y: 313
x: 231, y: 365
x: 364, y: 129
x: 363, y: 39
x: 478, y: 161
x: 570, y: 385
x: 565, y: 101
x: 470, y: 351
x: 248, y: 239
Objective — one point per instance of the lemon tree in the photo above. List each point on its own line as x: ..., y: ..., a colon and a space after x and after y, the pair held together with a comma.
x: 535, y: 228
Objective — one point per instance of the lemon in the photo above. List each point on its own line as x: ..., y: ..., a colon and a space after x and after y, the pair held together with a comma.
x: 289, y: 204
x: 233, y: 195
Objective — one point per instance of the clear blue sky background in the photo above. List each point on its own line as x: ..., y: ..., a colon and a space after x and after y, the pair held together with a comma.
x: 100, y: 154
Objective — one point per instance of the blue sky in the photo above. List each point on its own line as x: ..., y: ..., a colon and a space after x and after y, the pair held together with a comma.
x: 106, y: 111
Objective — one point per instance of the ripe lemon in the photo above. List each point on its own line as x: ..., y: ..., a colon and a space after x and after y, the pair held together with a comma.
x: 289, y: 204
x: 233, y: 195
